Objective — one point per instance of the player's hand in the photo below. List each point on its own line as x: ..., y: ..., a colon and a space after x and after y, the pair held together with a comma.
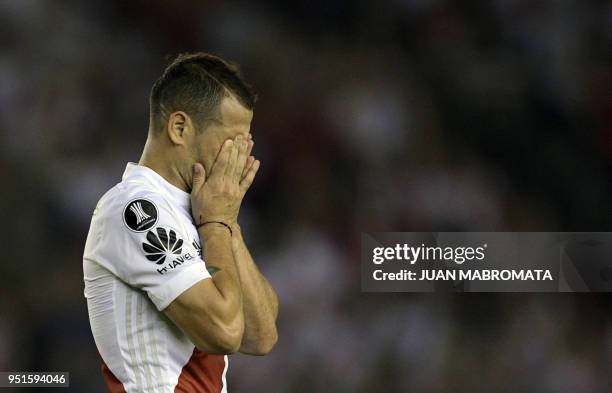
x: 250, y: 168
x: 250, y: 158
x: 218, y: 197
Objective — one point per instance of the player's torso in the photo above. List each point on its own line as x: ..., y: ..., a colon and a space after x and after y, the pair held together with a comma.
x: 142, y: 349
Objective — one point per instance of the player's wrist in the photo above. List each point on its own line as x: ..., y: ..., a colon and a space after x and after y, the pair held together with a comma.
x: 214, y: 226
x: 235, y: 228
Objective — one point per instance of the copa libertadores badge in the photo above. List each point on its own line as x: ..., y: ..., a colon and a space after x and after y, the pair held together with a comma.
x: 140, y: 215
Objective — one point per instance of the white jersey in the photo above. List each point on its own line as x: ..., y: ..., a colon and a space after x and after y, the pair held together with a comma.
x: 142, y: 252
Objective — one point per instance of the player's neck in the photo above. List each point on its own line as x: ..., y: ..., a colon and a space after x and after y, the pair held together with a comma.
x: 163, y: 166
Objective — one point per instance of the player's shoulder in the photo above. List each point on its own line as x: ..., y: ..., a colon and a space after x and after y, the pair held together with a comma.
x: 136, y: 203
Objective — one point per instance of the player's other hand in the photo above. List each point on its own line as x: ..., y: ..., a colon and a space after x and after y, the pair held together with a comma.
x: 217, y: 197
x: 250, y: 168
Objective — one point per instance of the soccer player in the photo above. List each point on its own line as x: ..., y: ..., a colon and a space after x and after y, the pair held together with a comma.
x: 170, y: 285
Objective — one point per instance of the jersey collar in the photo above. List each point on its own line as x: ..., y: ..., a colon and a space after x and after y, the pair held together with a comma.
x: 177, y: 195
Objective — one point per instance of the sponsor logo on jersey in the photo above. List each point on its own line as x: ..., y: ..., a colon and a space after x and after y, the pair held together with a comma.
x: 140, y: 215
x: 162, y: 243
x: 164, y: 247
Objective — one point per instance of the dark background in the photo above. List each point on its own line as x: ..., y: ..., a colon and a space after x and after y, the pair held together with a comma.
x: 405, y: 115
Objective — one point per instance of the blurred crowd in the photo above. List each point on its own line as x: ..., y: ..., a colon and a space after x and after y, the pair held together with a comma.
x: 398, y: 115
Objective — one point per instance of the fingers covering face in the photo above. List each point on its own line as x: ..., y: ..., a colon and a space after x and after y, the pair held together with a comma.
x: 250, y: 159
x: 242, y: 158
x: 233, y: 158
x: 220, y: 166
x: 234, y: 161
x: 250, y: 175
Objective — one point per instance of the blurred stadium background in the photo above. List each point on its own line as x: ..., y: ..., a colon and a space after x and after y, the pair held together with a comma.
x: 400, y: 115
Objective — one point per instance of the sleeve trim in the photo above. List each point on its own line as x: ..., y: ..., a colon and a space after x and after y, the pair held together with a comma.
x: 183, y: 280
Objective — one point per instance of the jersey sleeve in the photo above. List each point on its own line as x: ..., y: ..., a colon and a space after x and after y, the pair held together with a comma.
x: 144, y: 242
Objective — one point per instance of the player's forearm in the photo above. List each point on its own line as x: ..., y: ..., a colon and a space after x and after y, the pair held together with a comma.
x: 255, y: 282
x: 259, y: 301
x: 217, y: 252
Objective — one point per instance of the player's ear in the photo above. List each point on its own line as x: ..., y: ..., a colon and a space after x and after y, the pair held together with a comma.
x: 178, y: 127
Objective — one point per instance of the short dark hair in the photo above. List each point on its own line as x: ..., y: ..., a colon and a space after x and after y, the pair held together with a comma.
x: 196, y: 83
